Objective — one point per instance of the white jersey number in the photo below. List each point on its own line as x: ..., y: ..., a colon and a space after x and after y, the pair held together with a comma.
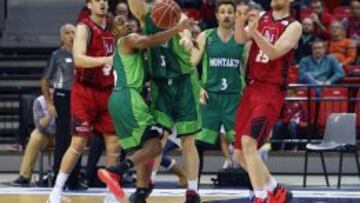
x: 224, y: 84
x: 107, y: 70
x: 115, y: 77
x: 262, y: 57
x: 163, y: 62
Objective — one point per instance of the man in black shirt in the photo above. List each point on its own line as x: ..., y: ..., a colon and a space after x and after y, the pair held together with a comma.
x: 307, y: 38
x: 59, y: 73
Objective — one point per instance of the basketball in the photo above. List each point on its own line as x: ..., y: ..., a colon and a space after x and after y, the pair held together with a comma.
x: 166, y: 14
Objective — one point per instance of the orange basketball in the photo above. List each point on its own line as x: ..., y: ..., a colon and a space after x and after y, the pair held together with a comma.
x: 166, y: 14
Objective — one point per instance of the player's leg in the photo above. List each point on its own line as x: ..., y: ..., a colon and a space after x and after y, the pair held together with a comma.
x: 157, y: 161
x: 112, y: 147
x: 143, y: 183
x: 104, y: 125
x: 83, y: 113
x: 224, y: 145
x: 255, y: 167
x: 161, y: 107
x: 136, y: 129
x: 228, y: 105
x: 72, y: 154
x: 188, y: 124
x: 150, y: 149
x: 171, y: 165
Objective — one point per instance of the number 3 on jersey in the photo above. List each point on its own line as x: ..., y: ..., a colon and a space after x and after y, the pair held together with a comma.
x: 163, y: 62
x: 262, y: 57
x: 224, y: 84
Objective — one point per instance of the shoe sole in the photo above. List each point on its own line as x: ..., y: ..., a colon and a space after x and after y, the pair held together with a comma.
x: 114, y: 186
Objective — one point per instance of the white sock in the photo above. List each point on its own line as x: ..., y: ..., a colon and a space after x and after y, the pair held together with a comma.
x: 271, y: 185
x: 153, y: 176
x: 260, y: 193
x: 61, y: 180
x: 193, y: 185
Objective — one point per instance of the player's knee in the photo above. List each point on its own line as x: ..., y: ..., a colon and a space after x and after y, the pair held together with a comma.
x: 248, y: 145
x: 77, y: 147
x: 188, y: 142
x: 156, y: 147
x: 113, y: 148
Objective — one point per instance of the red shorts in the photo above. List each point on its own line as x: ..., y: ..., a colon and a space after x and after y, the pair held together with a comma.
x: 258, y: 111
x: 89, y: 110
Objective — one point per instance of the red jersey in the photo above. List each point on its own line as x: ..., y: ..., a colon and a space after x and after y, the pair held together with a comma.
x: 260, y: 67
x: 100, y: 44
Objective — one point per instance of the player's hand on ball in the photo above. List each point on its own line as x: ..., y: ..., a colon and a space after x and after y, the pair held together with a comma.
x: 186, y: 24
x: 203, y: 96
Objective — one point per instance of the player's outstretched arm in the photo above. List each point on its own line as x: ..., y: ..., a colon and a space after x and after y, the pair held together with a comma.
x: 138, y: 9
x: 283, y: 45
x: 197, y: 54
x: 80, y: 44
x: 137, y: 41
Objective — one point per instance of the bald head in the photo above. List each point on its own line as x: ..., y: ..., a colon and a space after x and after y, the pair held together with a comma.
x: 122, y: 9
x: 337, y: 30
x: 355, y: 8
x: 67, y: 33
x: 308, y: 25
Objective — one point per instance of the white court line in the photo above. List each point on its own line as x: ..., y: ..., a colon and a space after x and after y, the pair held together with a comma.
x: 180, y: 192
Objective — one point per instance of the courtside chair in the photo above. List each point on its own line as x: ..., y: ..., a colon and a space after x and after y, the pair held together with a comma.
x: 339, y: 136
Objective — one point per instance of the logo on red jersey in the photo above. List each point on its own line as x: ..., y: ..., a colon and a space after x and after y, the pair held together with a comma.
x: 109, y: 44
x: 270, y: 33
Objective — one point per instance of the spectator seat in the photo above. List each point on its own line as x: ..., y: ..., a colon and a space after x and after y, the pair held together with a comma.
x: 335, y: 101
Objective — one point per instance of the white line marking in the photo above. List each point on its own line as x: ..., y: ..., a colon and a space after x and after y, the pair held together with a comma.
x: 179, y: 193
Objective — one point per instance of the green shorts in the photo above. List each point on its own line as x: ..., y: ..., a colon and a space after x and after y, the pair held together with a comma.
x: 176, y: 102
x: 220, y: 109
x: 131, y: 117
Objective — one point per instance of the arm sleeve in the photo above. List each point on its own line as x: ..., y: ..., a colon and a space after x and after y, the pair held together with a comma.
x: 50, y: 68
x: 338, y: 71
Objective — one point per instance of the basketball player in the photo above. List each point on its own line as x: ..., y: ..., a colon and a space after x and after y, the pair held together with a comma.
x: 274, y: 35
x: 91, y: 88
x: 133, y: 121
x: 222, y: 79
x: 175, y: 90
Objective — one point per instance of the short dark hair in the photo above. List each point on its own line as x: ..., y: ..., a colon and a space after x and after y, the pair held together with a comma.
x: 225, y: 2
x: 319, y: 40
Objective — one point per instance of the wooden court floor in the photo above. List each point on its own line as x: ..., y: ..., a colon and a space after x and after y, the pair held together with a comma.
x: 91, y: 199
x: 39, y: 195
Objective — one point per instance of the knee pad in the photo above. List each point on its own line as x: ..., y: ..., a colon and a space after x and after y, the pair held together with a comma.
x: 156, y: 131
x: 167, y: 163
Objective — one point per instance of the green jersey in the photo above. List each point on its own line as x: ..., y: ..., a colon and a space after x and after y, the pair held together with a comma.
x: 168, y: 60
x: 129, y: 70
x: 222, y: 64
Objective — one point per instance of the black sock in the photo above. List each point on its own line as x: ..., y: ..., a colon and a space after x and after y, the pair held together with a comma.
x: 122, y: 167
x: 142, y: 193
